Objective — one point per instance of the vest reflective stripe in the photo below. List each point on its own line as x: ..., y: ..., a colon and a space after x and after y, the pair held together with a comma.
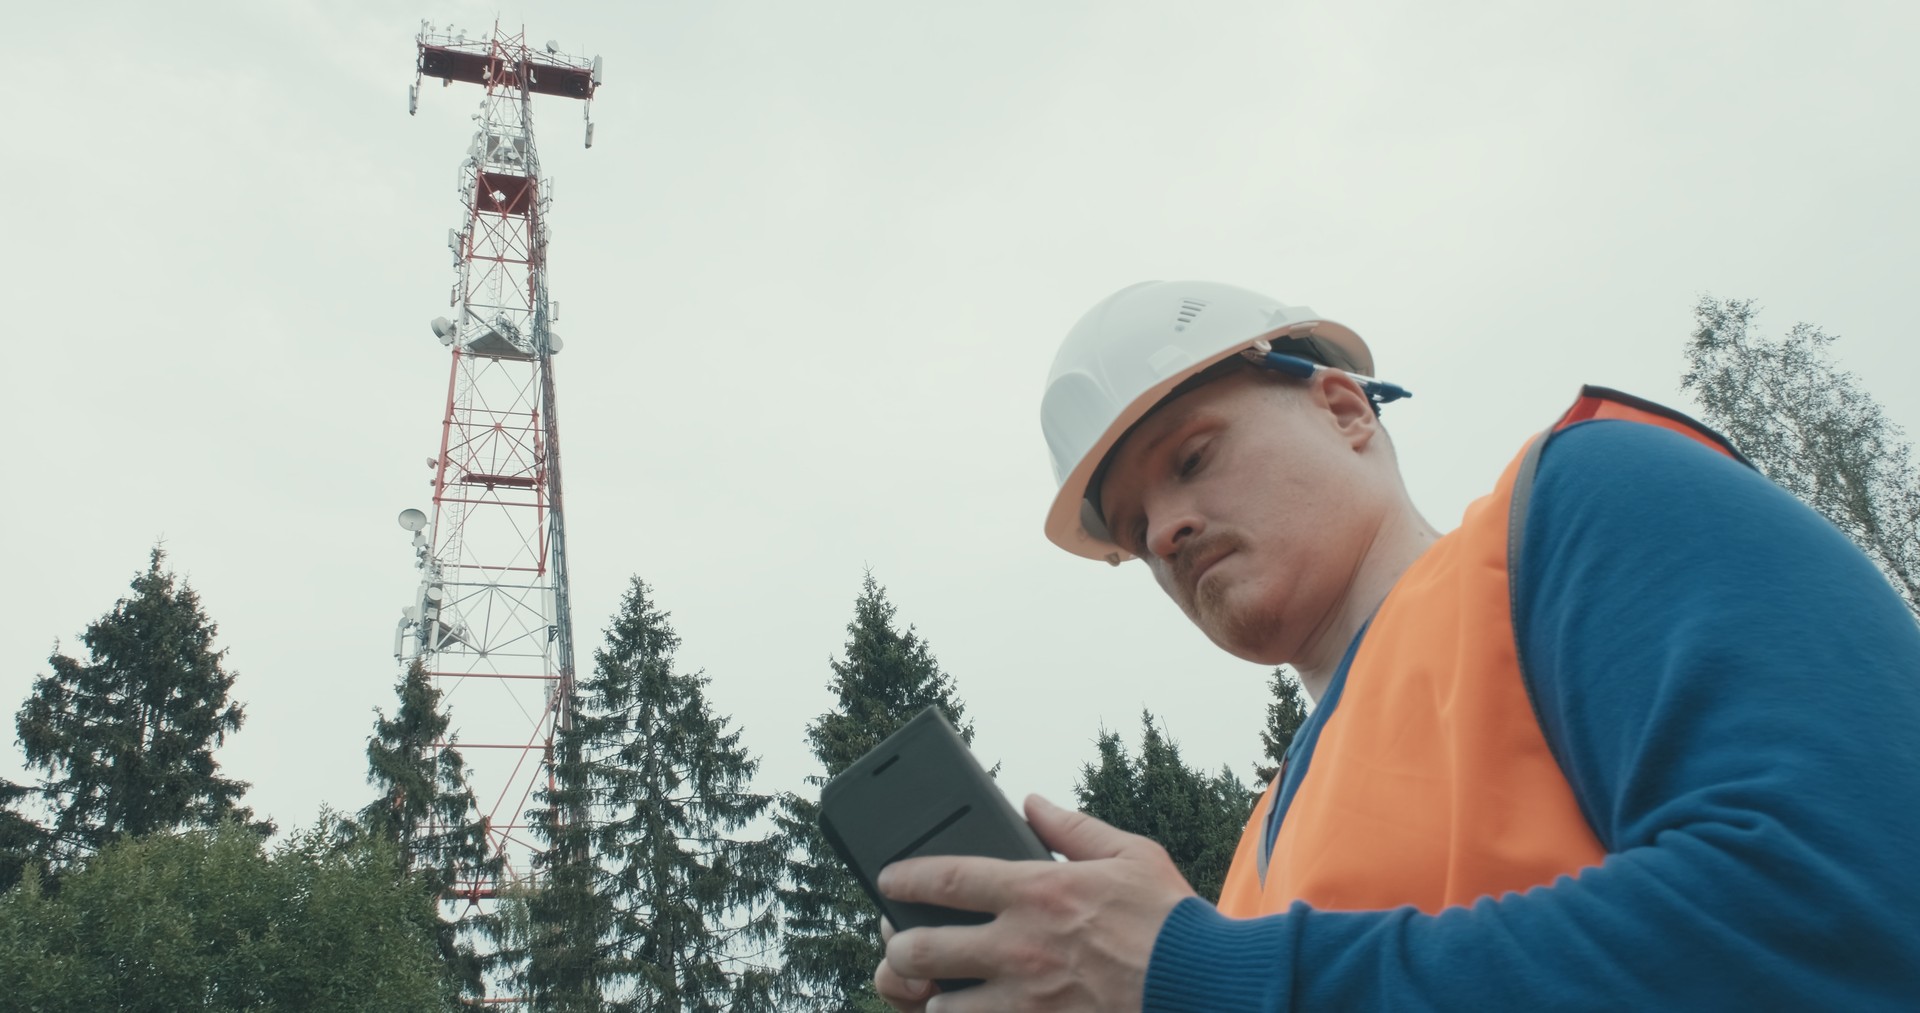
x: 1432, y: 784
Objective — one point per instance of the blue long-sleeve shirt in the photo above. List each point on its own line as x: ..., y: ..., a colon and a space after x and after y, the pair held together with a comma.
x: 1733, y: 692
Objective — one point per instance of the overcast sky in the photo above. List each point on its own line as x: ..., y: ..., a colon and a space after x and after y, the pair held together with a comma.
x: 812, y: 274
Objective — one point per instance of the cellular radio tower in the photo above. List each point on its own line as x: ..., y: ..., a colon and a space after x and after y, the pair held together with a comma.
x: 490, y: 620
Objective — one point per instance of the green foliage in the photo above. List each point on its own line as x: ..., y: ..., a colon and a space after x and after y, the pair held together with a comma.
x: 21, y: 838
x: 832, y: 943
x: 1285, y: 715
x: 870, y: 1003
x: 1197, y: 818
x: 126, y: 737
x: 207, y: 920
x: 426, y: 809
x: 654, y: 901
x: 1808, y: 425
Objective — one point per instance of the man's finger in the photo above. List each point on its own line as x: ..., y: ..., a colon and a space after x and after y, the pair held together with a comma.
x: 1076, y: 835
x: 986, y: 997
x: 950, y: 951
x: 956, y: 881
x: 901, y: 993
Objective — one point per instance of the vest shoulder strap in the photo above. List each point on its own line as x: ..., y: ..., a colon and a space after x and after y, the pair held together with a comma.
x: 1607, y: 403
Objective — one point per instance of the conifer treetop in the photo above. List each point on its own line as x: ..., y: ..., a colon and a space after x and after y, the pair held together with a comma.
x: 126, y: 736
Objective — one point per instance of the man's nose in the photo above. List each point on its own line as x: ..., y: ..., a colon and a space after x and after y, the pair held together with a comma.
x: 1174, y: 526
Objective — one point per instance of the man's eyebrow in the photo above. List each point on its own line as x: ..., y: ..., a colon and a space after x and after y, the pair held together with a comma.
x: 1180, y: 425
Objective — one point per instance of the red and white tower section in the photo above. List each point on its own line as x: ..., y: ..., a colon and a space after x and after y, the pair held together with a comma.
x: 490, y: 619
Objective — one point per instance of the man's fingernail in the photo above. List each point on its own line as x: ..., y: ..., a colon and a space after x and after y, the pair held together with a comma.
x: 917, y: 987
x: 885, y: 879
x: 1040, y: 802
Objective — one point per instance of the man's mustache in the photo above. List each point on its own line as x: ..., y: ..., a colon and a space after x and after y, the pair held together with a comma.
x: 1199, y: 552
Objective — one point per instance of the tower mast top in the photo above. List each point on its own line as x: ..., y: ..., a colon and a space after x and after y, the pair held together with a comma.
x: 500, y: 62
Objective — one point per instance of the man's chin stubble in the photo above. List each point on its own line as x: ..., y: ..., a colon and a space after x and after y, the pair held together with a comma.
x: 1236, y: 630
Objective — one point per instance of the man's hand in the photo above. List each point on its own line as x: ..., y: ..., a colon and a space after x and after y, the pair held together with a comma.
x: 1065, y: 936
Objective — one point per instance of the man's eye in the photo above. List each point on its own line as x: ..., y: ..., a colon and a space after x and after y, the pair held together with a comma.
x: 1190, y: 464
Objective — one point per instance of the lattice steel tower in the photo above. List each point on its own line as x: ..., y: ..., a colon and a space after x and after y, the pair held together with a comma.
x: 491, y: 619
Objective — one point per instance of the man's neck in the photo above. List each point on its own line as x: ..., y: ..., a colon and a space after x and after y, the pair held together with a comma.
x: 1392, y: 551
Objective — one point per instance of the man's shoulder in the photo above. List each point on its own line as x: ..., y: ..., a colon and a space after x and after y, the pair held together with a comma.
x: 1663, y: 518
x: 1627, y: 507
x: 1606, y: 445
x: 1600, y: 466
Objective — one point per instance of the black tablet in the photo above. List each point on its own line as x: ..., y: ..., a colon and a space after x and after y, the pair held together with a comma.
x: 921, y: 792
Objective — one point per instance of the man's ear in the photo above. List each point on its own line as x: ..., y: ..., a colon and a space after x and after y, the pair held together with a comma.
x: 1348, y: 405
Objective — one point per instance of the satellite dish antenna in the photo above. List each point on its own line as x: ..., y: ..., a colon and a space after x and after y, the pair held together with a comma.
x: 412, y: 520
x: 553, y: 46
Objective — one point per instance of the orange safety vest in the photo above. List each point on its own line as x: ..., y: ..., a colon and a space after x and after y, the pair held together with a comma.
x: 1432, y: 784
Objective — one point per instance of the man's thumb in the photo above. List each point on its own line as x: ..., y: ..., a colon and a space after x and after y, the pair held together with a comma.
x: 1075, y: 834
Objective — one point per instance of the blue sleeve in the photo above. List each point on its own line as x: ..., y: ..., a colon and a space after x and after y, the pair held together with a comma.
x: 1734, y: 693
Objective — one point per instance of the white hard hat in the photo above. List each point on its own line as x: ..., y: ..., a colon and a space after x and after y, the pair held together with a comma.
x: 1134, y: 348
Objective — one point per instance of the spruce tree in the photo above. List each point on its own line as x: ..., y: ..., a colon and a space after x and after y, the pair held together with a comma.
x: 559, y: 952
x: 691, y: 898
x: 831, y: 943
x: 426, y: 808
x: 1196, y: 817
x: 1285, y: 714
x: 126, y: 736
x: 1109, y: 789
x: 654, y: 899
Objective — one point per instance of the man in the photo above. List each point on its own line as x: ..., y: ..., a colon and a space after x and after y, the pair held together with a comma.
x: 1640, y: 734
